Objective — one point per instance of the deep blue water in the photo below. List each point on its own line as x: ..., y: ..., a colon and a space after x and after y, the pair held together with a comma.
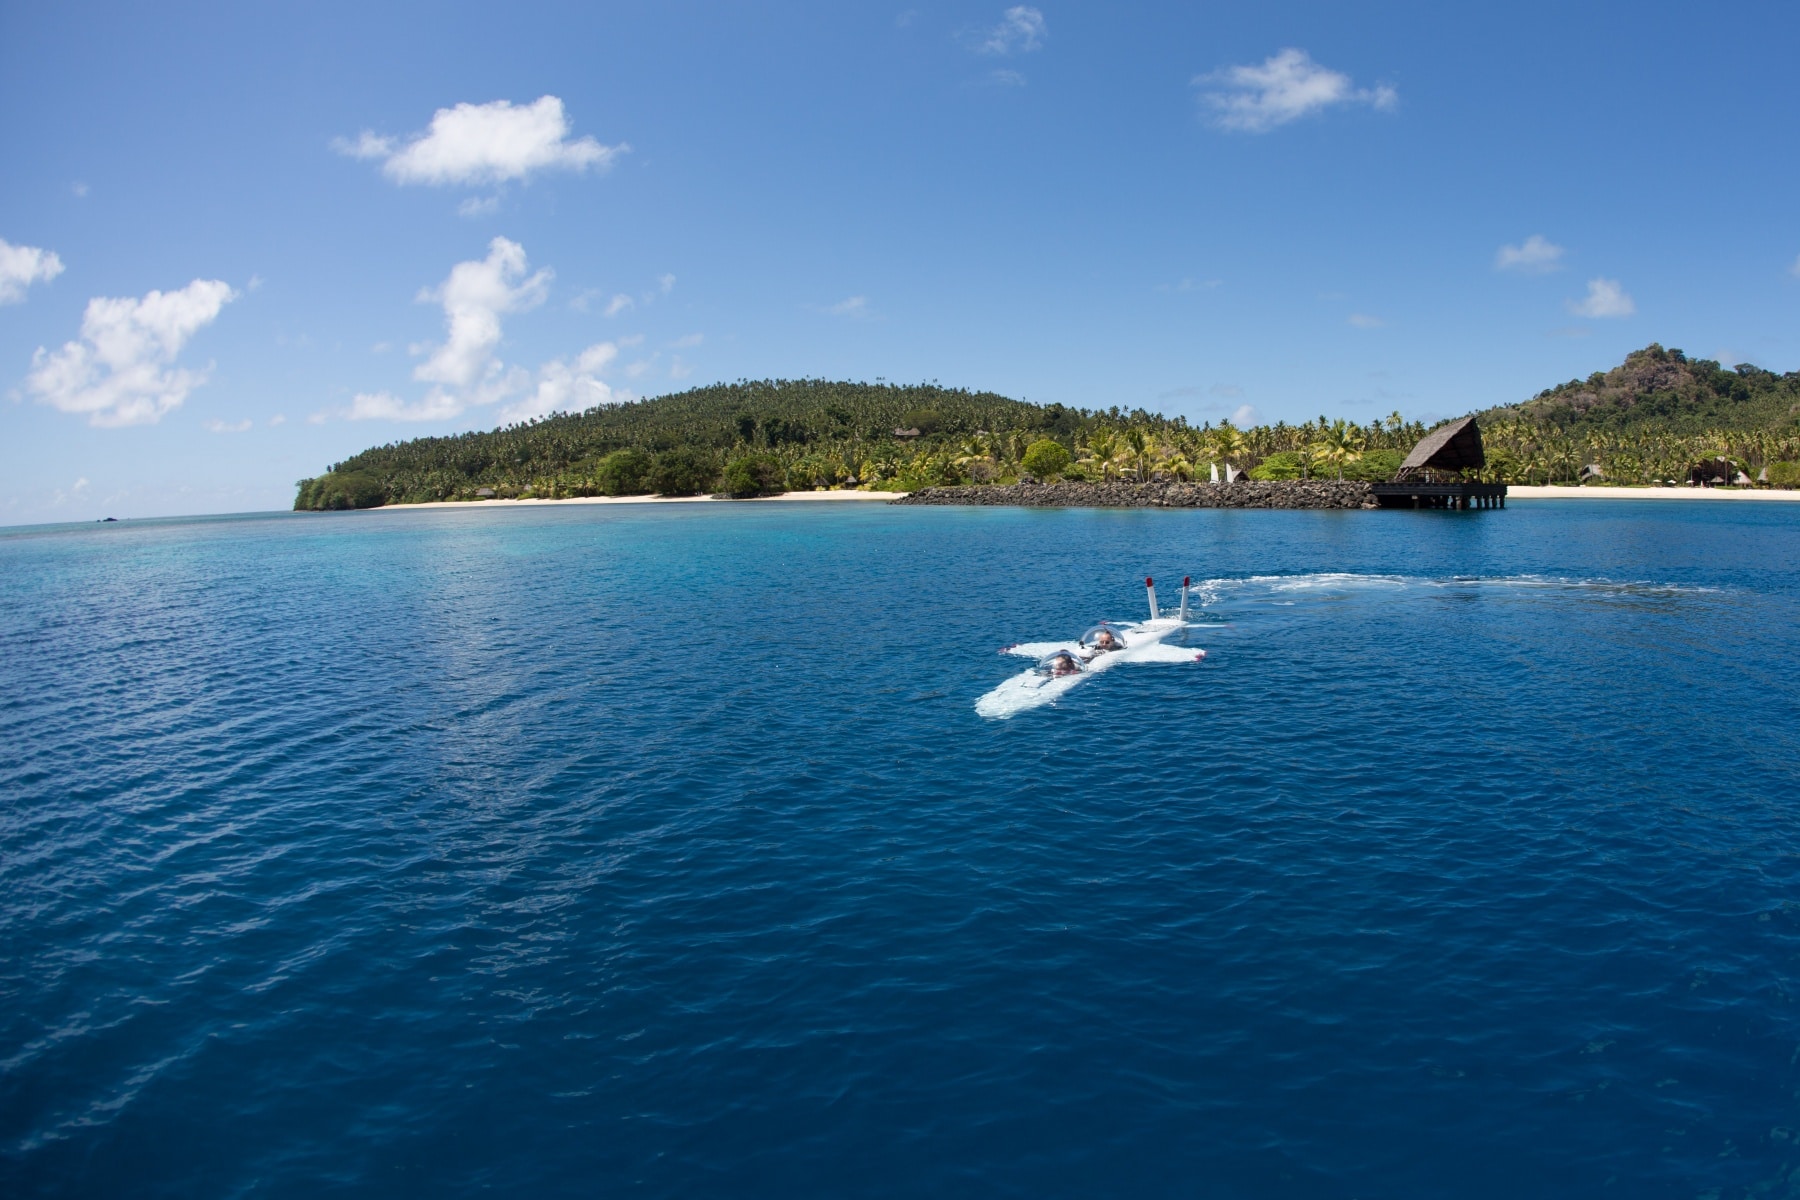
x: 658, y: 851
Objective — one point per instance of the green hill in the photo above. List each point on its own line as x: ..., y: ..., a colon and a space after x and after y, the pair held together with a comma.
x: 1667, y: 391
x: 1649, y: 419
x: 816, y: 432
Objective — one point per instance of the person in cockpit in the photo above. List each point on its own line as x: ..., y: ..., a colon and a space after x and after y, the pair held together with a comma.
x: 1105, y: 641
x: 1064, y: 664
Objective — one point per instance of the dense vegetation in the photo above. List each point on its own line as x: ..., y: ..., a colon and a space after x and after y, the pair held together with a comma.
x: 1649, y: 419
x: 1652, y: 418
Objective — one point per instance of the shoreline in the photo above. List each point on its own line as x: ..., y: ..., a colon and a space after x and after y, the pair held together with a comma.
x: 1532, y: 491
x: 787, y: 496
x: 1517, y: 491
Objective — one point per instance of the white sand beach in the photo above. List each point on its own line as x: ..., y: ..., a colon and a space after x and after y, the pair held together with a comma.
x: 498, y: 503
x: 1520, y: 491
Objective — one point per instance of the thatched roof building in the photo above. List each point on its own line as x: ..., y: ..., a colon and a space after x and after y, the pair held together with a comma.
x: 1453, y: 447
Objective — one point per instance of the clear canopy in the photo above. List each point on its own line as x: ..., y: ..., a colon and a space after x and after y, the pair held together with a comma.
x: 1092, y: 639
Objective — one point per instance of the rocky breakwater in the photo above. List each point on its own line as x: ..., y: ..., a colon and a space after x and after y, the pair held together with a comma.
x: 1242, y: 494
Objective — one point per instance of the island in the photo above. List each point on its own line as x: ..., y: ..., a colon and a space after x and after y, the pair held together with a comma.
x: 1659, y: 419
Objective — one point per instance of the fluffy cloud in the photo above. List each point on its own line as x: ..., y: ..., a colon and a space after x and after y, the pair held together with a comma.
x: 1286, y: 87
x: 1605, y: 298
x: 385, y: 406
x: 22, y: 266
x: 854, y: 306
x: 122, y: 370
x: 465, y: 370
x: 1365, y: 321
x: 475, y: 296
x: 1536, y: 255
x: 484, y: 143
x: 1020, y: 31
x: 567, y: 386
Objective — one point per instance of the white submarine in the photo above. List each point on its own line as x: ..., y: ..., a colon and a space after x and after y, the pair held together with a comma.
x: 1062, y: 666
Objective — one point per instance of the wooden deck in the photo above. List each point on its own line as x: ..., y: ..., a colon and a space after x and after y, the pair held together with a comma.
x: 1441, y: 495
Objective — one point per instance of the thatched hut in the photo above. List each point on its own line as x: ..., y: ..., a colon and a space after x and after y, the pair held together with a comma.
x: 1449, y: 448
x: 1711, y: 472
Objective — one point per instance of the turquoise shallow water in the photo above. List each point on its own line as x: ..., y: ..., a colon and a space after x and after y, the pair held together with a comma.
x: 658, y: 851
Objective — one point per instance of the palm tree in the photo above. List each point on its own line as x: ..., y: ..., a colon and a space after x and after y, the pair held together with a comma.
x: 1139, y: 445
x: 1340, y: 444
x: 1230, y: 444
x: 974, y: 450
x: 1102, y: 447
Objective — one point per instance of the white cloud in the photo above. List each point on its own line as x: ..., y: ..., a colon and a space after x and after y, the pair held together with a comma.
x: 366, y: 145
x: 1795, y: 269
x: 687, y: 341
x: 385, y: 406
x: 242, y: 426
x: 667, y: 283
x: 1365, y: 321
x: 567, y: 385
x: 478, y: 206
x: 22, y: 266
x: 278, y: 419
x: 485, y: 143
x: 1286, y: 87
x: 1006, y: 77
x: 465, y: 370
x: 122, y: 370
x: 80, y: 189
x: 1536, y: 255
x: 1246, y: 415
x: 679, y: 369
x: 1020, y: 31
x: 1605, y: 298
x: 619, y: 304
x: 855, y: 306
x: 475, y: 296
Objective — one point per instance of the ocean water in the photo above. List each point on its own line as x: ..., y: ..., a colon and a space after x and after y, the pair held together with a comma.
x: 659, y: 851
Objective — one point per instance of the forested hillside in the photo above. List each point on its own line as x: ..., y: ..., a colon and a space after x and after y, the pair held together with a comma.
x: 1649, y: 419
x: 798, y: 433
x: 1666, y: 389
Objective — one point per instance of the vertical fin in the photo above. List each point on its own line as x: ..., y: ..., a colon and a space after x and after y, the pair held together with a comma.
x: 1150, y: 586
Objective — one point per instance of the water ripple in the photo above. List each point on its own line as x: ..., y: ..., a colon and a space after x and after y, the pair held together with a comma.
x: 659, y: 851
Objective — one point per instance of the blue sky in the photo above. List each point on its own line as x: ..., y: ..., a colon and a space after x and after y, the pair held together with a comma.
x: 243, y: 242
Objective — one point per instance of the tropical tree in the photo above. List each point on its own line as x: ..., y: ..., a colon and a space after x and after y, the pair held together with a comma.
x: 1229, y: 444
x: 1339, y: 445
x: 1137, y: 448
x: 1045, y: 458
x: 1102, y: 448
